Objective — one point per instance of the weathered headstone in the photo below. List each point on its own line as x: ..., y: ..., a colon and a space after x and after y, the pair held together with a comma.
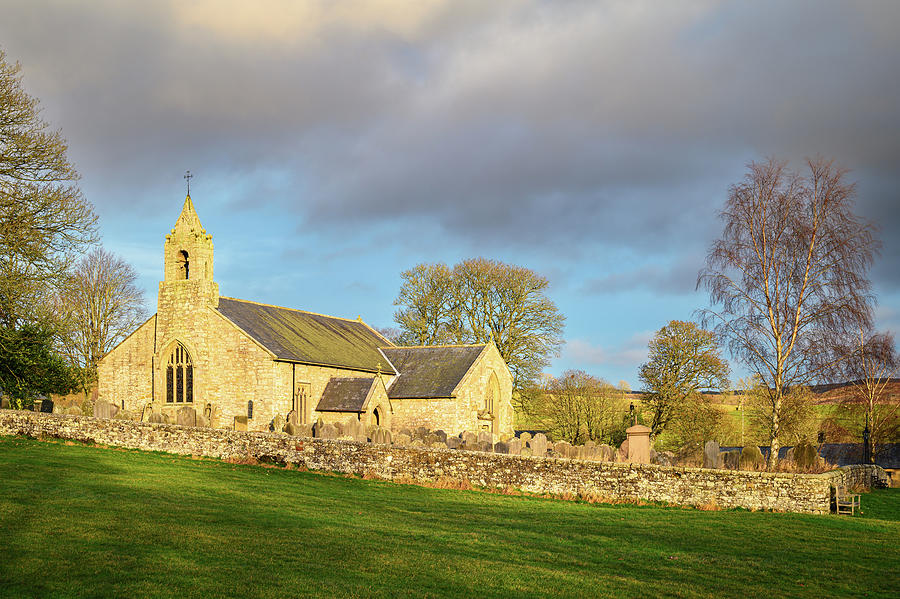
x: 381, y: 436
x: 430, y: 439
x: 525, y: 437
x: 515, y: 446
x: 186, y: 416
x: 47, y: 406
x: 290, y: 428
x: 526, y: 451
x: 325, y: 431
x: 538, y: 444
x: 240, y: 423
x: 356, y: 430
x: 454, y: 442
x: 103, y: 409
x: 420, y: 432
x: 441, y: 435
x: 417, y: 443
x: 406, y: 431
x: 606, y: 453
x: 805, y: 455
x: 202, y: 422
x: 123, y: 415
x: 563, y: 449
x: 751, y: 458
x: 501, y: 447
x: 710, y: 454
x: 293, y: 417
x: 36, y: 405
x: 485, y: 437
x: 485, y: 446
x: 339, y: 427
x: 622, y: 452
x: 732, y: 459
x: 146, y: 413
x: 159, y: 418
x: 278, y: 423
x: 469, y: 438
x: 4, y: 404
x: 305, y: 430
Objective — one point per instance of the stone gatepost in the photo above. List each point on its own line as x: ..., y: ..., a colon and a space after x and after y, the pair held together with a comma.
x: 638, y: 444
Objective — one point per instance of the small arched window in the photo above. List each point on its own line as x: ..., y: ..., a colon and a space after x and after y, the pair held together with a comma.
x: 179, y: 376
x: 184, y: 266
x: 492, y: 395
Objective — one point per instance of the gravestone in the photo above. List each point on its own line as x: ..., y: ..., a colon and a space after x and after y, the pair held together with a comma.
x: 454, y: 442
x: 710, y: 454
x: 36, y: 405
x: 304, y: 430
x: 526, y: 451
x: 732, y: 459
x: 606, y: 453
x: 47, y: 406
x: 339, y: 427
x: 186, y: 416
x: 501, y: 447
x: 406, y: 431
x: 525, y: 437
x: 278, y: 423
x: 485, y: 446
x: 622, y: 452
x: 430, y: 439
x: 159, y: 418
x: 103, y: 409
x: 356, y: 430
x: 326, y: 431
x: 485, y: 437
x: 638, y: 444
x: 420, y: 432
x: 417, y: 443
x: 805, y: 456
x: 441, y: 435
x: 402, y: 439
x: 381, y: 436
x: 290, y: 428
x: 292, y: 417
x: 515, y: 446
x: 538, y: 445
x: 146, y: 413
x: 202, y: 422
x: 751, y: 458
x: 563, y: 449
x: 4, y: 404
x: 240, y: 423
x: 469, y: 438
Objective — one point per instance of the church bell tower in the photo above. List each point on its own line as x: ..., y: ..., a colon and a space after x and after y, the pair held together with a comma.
x: 188, y: 252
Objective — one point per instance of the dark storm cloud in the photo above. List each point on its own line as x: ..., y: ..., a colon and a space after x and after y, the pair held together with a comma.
x: 617, y: 124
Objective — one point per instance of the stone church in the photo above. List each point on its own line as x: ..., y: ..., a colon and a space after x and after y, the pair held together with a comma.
x: 241, y: 364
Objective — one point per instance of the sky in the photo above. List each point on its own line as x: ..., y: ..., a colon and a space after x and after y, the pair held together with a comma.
x: 336, y: 144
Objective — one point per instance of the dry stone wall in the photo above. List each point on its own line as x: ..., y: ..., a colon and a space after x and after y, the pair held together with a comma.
x: 808, y: 493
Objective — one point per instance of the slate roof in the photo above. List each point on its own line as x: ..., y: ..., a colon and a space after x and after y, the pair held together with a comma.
x: 345, y: 394
x: 308, y: 338
x: 429, y: 372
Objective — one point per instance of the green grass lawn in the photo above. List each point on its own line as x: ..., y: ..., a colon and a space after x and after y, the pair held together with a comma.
x: 80, y: 521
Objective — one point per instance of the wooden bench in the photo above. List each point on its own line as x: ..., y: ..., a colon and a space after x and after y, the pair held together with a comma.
x: 846, y: 502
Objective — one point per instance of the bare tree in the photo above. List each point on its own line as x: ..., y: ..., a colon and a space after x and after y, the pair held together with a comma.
x: 478, y: 301
x: 871, y: 370
x: 789, y: 276
x: 578, y: 407
x: 101, y: 305
x: 683, y: 361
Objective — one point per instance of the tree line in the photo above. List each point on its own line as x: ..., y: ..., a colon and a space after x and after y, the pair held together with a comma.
x: 64, y: 301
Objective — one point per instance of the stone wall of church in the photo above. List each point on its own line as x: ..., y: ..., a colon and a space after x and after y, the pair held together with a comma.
x: 315, y: 378
x: 460, y: 414
x: 125, y: 373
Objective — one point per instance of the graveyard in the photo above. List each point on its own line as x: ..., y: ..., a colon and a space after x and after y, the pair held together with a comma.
x: 82, y: 520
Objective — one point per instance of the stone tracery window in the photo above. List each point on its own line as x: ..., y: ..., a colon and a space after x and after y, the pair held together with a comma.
x: 491, y: 395
x: 180, y: 376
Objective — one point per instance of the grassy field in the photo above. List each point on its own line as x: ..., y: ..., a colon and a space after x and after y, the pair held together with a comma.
x: 80, y: 521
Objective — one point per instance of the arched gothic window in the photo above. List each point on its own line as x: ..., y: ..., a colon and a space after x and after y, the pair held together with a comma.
x: 179, y: 377
x: 492, y: 395
x: 184, y: 265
